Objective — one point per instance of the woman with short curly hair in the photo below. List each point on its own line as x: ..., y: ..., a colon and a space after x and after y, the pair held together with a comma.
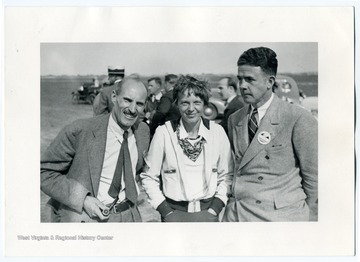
x: 189, y: 165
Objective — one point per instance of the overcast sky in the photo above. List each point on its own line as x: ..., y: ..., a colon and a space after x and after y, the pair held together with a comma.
x: 162, y: 58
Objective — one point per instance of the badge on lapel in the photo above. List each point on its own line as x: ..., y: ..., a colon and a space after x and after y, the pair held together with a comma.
x: 264, y: 138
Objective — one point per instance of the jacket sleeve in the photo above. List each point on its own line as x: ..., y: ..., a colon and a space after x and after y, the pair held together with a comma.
x: 305, y: 142
x: 54, y: 167
x: 151, y: 175
x: 225, y: 169
x: 100, y: 104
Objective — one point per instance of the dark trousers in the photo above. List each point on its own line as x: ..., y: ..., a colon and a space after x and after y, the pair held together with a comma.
x: 180, y: 213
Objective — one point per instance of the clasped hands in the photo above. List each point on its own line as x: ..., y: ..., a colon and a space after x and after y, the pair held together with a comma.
x: 208, y: 215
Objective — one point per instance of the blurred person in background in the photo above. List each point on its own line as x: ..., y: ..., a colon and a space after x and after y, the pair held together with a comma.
x: 89, y: 170
x: 103, y: 102
x: 166, y: 108
x: 193, y: 158
x: 228, y: 93
x: 154, y: 95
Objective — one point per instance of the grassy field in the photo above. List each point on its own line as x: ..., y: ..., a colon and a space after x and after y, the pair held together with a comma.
x: 58, y: 110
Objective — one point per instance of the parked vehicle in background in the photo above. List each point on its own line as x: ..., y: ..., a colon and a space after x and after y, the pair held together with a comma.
x: 86, y: 92
x: 214, y: 109
x: 311, y: 104
x: 286, y: 88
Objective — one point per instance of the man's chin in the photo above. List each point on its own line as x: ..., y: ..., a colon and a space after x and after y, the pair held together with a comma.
x: 126, y: 123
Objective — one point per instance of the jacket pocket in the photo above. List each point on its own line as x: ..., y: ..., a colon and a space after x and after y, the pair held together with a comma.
x: 288, y: 199
x: 170, y: 171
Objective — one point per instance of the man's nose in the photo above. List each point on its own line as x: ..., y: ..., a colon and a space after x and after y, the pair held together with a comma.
x: 132, y: 107
x: 242, y: 85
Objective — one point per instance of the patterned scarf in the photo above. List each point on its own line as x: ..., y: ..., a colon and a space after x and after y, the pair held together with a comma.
x: 191, y: 151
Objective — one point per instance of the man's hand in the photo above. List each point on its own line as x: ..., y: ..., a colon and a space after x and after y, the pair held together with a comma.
x: 93, y: 207
x: 147, y: 115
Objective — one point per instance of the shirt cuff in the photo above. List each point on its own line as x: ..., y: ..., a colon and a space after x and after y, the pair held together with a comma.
x: 217, y: 205
x: 164, y: 209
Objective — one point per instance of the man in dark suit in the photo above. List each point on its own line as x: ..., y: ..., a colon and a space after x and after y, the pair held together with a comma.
x: 103, y: 103
x: 276, y: 149
x: 89, y: 169
x: 166, y: 108
x: 228, y: 93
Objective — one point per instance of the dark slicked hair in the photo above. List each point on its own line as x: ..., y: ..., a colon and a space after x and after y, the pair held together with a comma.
x: 230, y: 82
x: 170, y: 77
x: 191, y: 84
x: 156, y: 79
x: 260, y: 56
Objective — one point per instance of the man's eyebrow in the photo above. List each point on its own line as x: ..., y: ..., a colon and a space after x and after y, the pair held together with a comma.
x: 127, y: 98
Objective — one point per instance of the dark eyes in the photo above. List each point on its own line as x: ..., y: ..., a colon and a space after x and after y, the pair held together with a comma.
x: 128, y: 100
x: 187, y: 103
x: 247, y: 79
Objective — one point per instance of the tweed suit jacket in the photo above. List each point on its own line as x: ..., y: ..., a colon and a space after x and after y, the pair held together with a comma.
x: 277, y: 180
x: 234, y: 105
x: 72, y: 164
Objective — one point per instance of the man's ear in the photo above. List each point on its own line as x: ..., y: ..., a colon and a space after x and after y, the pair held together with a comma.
x: 113, y: 96
x: 231, y: 88
x: 270, y: 82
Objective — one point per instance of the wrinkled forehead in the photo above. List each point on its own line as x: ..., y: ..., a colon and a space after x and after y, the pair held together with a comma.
x: 249, y: 70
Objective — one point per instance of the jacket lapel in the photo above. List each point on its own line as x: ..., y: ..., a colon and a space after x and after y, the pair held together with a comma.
x: 241, y: 134
x: 142, y: 137
x: 96, y: 150
x: 269, y: 123
x: 208, y: 151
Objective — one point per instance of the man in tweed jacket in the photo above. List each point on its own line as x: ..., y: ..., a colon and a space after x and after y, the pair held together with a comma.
x: 78, y: 166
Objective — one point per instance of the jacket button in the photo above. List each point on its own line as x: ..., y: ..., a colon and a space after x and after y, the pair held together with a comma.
x: 260, y: 178
x: 258, y: 202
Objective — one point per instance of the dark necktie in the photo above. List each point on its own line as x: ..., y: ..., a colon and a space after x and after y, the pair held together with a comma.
x: 124, y: 166
x: 252, y: 125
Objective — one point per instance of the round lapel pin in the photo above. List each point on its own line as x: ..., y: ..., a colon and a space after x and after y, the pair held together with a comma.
x: 264, y: 138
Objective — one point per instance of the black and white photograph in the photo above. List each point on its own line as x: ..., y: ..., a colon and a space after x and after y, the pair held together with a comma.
x: 172, y: 131
x: 189, y: 179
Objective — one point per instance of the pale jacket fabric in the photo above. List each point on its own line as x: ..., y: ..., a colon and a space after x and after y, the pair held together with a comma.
x: 166, y: 158
x: 275, y: 179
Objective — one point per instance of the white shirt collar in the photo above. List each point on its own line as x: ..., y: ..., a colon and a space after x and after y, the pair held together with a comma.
x: 203, y: 131
x: 262, y: 109
x: 158, y: 96
x: 116, y: 129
